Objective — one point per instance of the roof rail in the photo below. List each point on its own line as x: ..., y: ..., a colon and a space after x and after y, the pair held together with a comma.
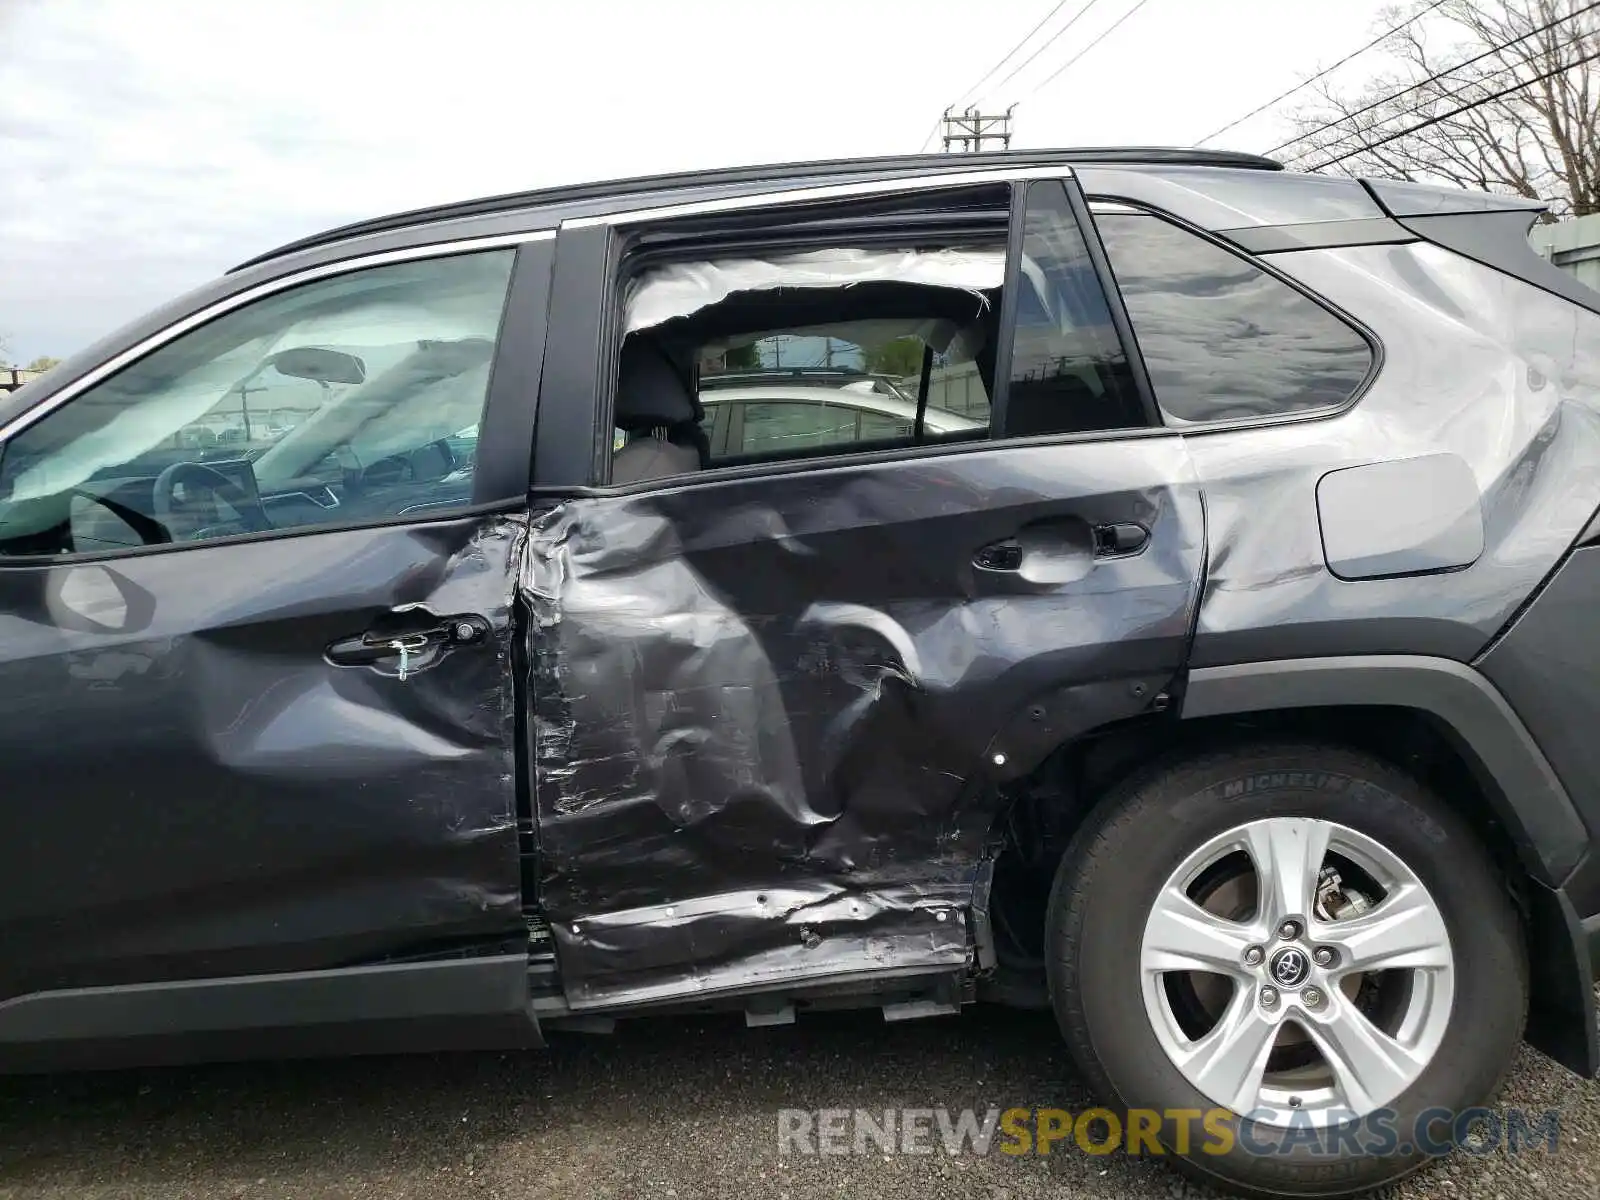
x: 898, y: 165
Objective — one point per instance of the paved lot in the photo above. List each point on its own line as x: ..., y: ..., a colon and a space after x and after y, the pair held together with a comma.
x: 662, y: 1109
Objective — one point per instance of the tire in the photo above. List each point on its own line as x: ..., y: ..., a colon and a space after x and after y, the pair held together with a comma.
x: 1121, y: 861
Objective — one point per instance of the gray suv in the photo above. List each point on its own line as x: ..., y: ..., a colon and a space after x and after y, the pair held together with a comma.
x: 1223, y: 678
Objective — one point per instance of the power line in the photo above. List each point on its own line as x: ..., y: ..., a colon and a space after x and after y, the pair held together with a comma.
x: 1445, y: 94
x: 1431, y: 79
x: 972, y: 91
x: 1455, y: 112
x: 1377, y: 41
x: 1045, y: 45
x: 1038, y: 87
x: 1381, y: 101
x: 937, y: 125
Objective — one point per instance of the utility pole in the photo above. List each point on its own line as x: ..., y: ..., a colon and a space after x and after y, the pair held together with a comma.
x: 244, y: 406
x: 968, y: 131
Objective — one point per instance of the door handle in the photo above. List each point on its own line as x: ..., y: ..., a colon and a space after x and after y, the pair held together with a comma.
x: 1060, y: 541
x: 408, y: 634
x: 1120, y: 540
x: 1004, y: 555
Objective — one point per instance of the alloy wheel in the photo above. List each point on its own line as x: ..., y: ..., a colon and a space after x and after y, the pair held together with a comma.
x: 1296, y: 966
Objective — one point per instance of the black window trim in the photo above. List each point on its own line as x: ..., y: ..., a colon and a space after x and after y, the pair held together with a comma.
x: 623, y: 243
x: 504, y: 465
x: 822, y: 463
x: 581, y: 358
x: 1000, y: 397
x: 1011, y: 298
x: 1359, y: 327
x: 631, y: 249
x: 1120, y: 320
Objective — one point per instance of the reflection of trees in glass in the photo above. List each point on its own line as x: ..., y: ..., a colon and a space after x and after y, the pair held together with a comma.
x: 742, y: 358
x: 900, y: 358
x: 1220, y: 337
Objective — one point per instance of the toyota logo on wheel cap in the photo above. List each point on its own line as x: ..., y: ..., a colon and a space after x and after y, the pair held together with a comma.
x: 1290, y: 967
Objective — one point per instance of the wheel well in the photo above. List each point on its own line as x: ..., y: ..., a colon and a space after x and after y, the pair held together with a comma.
x: 1043, y: 810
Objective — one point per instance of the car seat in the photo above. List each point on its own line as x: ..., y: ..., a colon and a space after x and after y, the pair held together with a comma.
x: 659, y: 412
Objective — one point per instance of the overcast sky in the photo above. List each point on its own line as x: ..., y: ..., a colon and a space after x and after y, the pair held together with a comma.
x: 146, y: 145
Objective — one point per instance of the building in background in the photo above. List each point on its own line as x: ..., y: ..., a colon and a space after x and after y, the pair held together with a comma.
x: 1573, y: 245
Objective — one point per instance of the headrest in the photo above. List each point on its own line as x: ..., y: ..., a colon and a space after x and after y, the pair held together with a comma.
x: 651, y: 391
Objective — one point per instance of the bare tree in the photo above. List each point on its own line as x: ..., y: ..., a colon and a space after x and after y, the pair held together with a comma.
x: 1498, y: 95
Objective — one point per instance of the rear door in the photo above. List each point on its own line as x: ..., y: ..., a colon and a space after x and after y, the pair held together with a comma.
x: 256, y: 704
x: 776, y: 702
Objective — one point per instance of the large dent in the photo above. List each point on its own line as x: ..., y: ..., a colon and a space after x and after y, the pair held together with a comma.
x: 250, y: 805
x: 1478, y: 366
x: 797, y: 688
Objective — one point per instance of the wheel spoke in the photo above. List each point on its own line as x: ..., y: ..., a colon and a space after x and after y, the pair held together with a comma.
x: 1288, y: 854
x: 1368, y: 1065
x: 1182, y: 936
x: 1403, y: 930
x: 1371, y: 1067
x: 1228, y: 1063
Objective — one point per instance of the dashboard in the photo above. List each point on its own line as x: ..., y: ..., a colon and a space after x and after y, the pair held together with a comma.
x: 133, y: 507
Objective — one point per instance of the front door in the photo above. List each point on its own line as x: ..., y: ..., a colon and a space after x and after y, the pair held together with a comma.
x: 779, y: 687
x: 256, y: 701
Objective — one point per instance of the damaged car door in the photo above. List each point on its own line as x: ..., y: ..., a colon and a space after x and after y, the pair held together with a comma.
x: 780, y: 690
x: 256, y: 699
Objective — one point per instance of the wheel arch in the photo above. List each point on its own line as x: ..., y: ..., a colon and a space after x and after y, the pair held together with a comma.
x: 1543, y: 839
x: 1512, y: 772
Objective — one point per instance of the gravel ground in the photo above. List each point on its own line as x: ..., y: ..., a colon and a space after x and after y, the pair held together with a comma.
x: 662, y: 1109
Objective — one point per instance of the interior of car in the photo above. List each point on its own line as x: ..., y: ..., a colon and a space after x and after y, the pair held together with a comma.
x: 688, y: 319
x: 359, y: 451
x: 663, y: 382
x: 350, y: 398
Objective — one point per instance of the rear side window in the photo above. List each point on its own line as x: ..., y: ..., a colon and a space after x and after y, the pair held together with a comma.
x: 1221, y: 338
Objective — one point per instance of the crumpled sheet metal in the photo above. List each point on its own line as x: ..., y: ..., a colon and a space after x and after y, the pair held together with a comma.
x: 767, y: 685
x: 262, y: 806
x: 1476, y: 364
x: 748, y: 940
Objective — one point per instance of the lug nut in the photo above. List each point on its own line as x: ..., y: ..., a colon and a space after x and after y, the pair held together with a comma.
x: 1289, y: 930
x: 1312, y: 998
x: 465, y: 631
x: 1269, y: 997
x: 1323, y: 956
x: 1253, y: 956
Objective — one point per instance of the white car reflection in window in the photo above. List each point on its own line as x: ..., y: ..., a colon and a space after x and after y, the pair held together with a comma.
x: 780, y: 419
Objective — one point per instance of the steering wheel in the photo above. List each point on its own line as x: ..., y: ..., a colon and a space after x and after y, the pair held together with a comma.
x: 252, y: 513
x: 390, y: 471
